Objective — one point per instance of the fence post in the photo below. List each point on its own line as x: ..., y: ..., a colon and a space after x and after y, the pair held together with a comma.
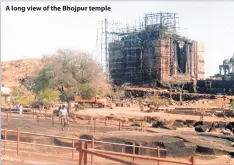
x: 92, y: 148
x: 123, y: 148
x: 81, y: 147
x: 33, y: 113
x: 7, y: 118
x: 53, y: 119
x: 158, y: 153
x: 94, y: 125
x: 37, y: 119
x: 85, y: 153
x: 133, y: 151
x: 73, y: 147
x: 193, y: 160
x: 158, y: 149
x: 45, y: 114
x: 139, y: 149
x: 18, y: 140
x: 5, y: 138
x: 141, y: 126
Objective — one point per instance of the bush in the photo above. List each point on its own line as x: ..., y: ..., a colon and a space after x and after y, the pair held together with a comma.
x: 232, y: 104
x: 157, y: 101
x: 140, y: 100
x: 23, y: 100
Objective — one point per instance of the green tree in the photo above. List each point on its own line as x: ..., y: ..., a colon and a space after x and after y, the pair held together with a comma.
x: 24, y: 100
x: 48, y: 96
x: 72, y: 74
x: 19, y: 96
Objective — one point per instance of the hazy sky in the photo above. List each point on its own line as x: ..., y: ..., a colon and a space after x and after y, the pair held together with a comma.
x: 32, y: 34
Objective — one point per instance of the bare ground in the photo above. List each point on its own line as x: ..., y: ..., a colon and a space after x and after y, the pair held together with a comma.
x: 26, y: 123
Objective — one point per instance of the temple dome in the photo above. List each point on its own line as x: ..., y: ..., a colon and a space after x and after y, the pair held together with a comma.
x: 225, y: 62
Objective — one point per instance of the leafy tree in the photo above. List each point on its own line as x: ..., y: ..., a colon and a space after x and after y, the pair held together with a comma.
x: 24, y: 100
x: 169, y: 83
x: 118, y: 91
x: 19, y: 96
x: 48, y: 96
x: 71, y: 73
x: 179, y: 80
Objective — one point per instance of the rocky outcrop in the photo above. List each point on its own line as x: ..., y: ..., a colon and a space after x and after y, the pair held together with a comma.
x: 13, y: 71
x: 164, y: 124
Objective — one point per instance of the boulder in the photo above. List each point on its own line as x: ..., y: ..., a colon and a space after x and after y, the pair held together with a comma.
x: 190, y: 122
x: 160, y: 124
x: 149, y: 121
x: 170, y: 127
x: 198, y: 123
x: 231, y: 123
x: 155, y: 124
x: 207, y: 124
x: 222, y: 124
x: 167, y: 122
x: 230, y: 126
x: 215, y: 124
x: 201, y: 128
x: 179, y: 123
x: 226, y: 132
x: 213, y: 129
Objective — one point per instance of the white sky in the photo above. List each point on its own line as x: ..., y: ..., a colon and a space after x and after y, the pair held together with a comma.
x: 32, y: 34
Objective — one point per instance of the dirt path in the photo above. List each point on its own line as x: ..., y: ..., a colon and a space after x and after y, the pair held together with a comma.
x: 135, y: 112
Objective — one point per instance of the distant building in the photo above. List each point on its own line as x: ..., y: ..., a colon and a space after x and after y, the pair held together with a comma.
x: 5, y: 94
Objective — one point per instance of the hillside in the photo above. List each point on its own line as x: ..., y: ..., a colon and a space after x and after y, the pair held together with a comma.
x: 12, y: 71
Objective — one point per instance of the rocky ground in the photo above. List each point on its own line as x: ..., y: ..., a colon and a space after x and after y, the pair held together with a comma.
x: 175, y: 135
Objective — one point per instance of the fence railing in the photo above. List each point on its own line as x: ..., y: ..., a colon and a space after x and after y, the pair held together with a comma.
x: 119, y: 123
x: 84, y: 151
x: 93, y: 142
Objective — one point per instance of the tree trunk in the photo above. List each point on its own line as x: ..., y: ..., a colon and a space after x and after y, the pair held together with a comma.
x: 181, y: 99
x: 141, y: 107
x: 195, y: 86
x: 68, y: 106
x: 181, y: 90
x: 170, y: 93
